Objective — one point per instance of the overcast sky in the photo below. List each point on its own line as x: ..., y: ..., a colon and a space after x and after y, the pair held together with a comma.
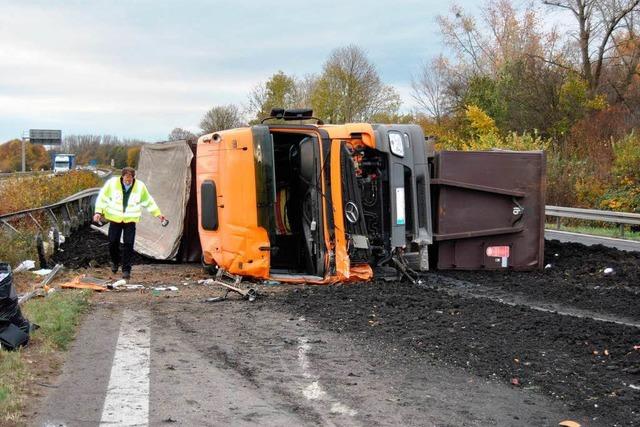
x: 137, y: 69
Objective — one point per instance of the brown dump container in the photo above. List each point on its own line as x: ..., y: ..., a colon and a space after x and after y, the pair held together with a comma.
x: 489, y: 209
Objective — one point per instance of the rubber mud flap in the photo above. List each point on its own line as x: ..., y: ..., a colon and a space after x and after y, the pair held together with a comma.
x: 209, y: 205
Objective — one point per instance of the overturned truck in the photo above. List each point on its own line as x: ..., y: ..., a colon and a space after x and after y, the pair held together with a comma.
x: 323, y: 203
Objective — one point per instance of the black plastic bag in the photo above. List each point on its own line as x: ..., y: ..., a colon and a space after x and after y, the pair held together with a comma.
x: 10, y: 314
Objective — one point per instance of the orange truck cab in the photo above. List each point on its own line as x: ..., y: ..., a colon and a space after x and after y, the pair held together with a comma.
x: 314, y: 203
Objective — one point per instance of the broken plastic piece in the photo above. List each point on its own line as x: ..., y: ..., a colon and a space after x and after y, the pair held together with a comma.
x: 42, y: 271
x: 569, y: 423
x: 25, y: 266
x: 608, y: 270
x: 117, y: 283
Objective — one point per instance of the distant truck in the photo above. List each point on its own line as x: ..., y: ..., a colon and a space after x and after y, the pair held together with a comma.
x: 63, y: 163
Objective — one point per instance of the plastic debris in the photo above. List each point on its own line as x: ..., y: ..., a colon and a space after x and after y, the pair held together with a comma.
x: 117, y: 283
x: 635, y: 387
x: 608, y: 270
x: 569, y: 423
x: 547, y: 266
x: 42, y: 271
x: 25, y: 266
x: 270, y: 283
x: 165, y: 288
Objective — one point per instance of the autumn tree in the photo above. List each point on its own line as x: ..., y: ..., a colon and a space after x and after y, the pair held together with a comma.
x: 350, y: 89
x: 600, y: 23
x: 279, y: 91
x: 36, y: 157
x: 133, y: 155
x: 220, y: 118
x: 506, y: 65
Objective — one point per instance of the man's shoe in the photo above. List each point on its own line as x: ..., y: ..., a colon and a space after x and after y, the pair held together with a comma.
x: 114, y: 268
x: 126, y: 274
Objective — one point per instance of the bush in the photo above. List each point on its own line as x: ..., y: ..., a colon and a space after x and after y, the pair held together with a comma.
x: 31, y: 192
x: 624, y: 193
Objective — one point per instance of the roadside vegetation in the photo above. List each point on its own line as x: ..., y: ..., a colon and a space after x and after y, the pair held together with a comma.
x: 606, y: 230
x: 58, y: 316
x: 508, y: 81
x: 22, y: 193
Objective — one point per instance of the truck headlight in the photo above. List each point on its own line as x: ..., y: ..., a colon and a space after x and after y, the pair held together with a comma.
x: 395, y: 144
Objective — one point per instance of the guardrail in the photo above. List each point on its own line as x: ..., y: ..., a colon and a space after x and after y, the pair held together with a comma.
x: 620, y: 218
x: 66, y: 215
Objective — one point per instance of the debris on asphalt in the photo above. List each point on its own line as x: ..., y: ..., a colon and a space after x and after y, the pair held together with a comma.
x: 608, y: 270
x: 118, y: 283
x: 569, y: 423
x: 76, y: 283
x: 165, y: 288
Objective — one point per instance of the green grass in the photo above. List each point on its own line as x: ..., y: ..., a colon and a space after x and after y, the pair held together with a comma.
x: 13, y: 376
x: 16, y: 248
x: 58, y: 316
x: 597, y: 231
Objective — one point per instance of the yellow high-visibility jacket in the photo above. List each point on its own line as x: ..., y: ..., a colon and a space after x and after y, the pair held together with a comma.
x: 110, y: 202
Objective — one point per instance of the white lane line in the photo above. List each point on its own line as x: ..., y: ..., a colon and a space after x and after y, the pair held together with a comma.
x: 127, y: 399
x: 314, y: 390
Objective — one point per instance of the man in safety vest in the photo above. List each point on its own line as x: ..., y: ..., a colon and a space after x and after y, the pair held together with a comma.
x: 120, y: 201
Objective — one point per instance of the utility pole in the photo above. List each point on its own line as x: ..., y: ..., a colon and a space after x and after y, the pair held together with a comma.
x: 24, y: 162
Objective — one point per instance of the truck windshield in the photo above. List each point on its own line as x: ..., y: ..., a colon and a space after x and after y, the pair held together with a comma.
x: 62, y: 165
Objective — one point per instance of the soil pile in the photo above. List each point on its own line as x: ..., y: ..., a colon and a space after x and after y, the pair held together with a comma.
x: 591, y: 366
x: 87, y: 248
x: 575, y: 274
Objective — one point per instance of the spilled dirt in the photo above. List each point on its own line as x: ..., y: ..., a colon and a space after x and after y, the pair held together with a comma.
x: 482, y: 323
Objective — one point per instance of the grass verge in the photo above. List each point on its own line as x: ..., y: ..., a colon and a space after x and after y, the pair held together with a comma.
x: 597, y: 231
x: 58, y: 316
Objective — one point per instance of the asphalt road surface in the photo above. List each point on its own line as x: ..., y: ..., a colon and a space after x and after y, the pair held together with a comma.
x: 171, y: 362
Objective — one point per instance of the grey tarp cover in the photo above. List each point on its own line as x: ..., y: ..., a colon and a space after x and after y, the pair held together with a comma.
x: 165, y: 169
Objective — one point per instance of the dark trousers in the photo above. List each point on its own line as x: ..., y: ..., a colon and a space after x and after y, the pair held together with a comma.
x: 128, y: 231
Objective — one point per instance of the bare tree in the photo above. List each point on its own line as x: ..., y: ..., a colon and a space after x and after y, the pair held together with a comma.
x: 178, y: 134
x: 429, y: 88
x: 350, y: 89
x: 504, y: 35
x: 220, y: 118
x: 598, y: 22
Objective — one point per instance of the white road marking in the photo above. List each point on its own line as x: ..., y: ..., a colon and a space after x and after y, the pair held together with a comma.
x: 127, y: 399
x: 314, y: 390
